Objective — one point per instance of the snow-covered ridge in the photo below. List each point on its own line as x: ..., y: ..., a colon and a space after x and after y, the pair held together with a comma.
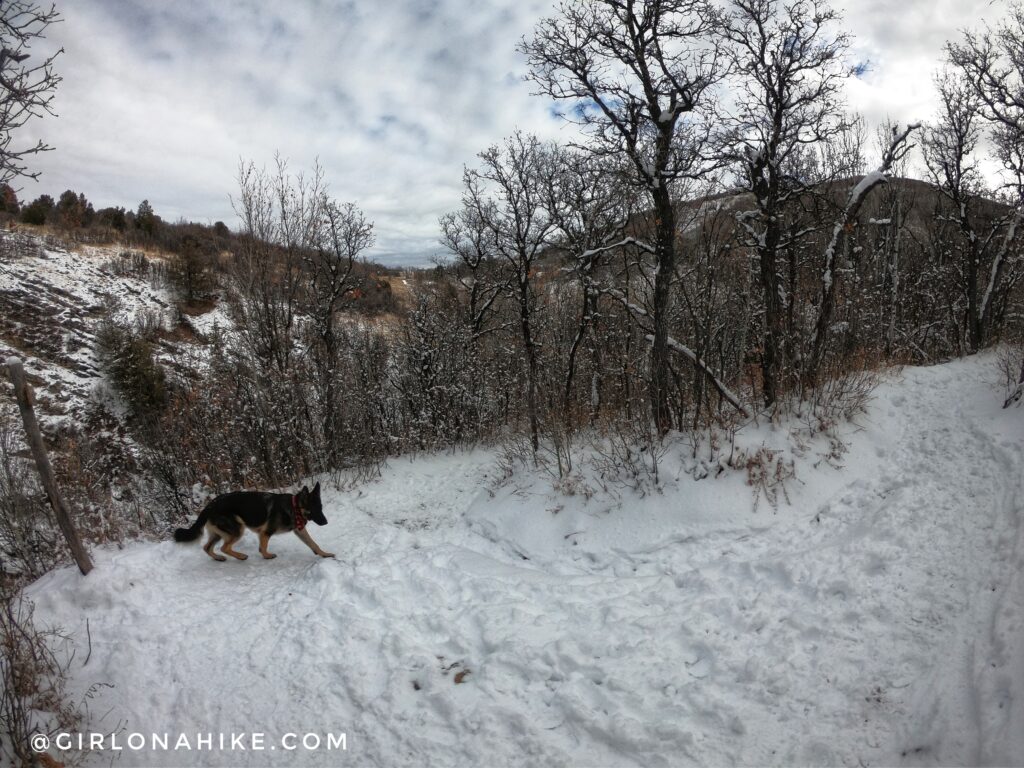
x: 878, y: 618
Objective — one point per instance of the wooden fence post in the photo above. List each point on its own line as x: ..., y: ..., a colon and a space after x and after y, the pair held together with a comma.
x: 35, y: 440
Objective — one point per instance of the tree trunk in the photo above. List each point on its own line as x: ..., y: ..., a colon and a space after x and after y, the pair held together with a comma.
x: 1018, y: 391
x: 666, y: 258
x: 893, y: 266
x: 770, y: 363
x: 581, y: 332
x: 999, y: 261
x: 531, y: 362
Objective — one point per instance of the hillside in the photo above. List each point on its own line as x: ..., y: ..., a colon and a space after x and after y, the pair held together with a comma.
x: 50, y: 302
x: 55, y: 294
x: 475, y: 617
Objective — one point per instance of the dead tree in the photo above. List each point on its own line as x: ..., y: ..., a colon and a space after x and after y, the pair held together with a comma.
x: 632, y: 69
x: 23, y: 393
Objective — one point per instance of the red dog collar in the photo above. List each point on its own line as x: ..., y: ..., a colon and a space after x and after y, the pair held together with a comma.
x: 300, y: 521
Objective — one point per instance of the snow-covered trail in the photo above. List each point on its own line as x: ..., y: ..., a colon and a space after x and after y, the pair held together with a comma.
x: 879, y: 619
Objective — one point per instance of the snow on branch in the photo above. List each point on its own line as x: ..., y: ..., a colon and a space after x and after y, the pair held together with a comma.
x: 634, y: 309
x: 898, y: 147
x: 621, y: 243
x: 1014, y: 396
x: 1018, y: 392
x: 999, y: 263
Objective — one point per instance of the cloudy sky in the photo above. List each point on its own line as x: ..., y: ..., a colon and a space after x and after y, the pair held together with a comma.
x: 161, y: 100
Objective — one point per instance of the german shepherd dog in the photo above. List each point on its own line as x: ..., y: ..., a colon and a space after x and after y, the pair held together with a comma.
x: 227, y: 517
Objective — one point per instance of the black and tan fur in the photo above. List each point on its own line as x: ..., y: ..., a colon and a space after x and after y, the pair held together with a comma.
x: 226, y: 518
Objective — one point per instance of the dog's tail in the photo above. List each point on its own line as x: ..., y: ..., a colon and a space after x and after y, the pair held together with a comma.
x: 192, y: 533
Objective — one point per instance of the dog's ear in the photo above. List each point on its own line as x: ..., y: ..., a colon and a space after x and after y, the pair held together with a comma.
x: 303, y: 494
x: 316, y: 488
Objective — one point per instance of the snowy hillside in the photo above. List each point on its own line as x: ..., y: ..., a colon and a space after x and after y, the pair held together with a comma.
x: 51, y: 300
x: 877, y: 619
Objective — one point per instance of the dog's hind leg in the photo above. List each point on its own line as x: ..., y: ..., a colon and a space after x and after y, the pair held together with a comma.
x: 209, y: 545
x: 226, y: 548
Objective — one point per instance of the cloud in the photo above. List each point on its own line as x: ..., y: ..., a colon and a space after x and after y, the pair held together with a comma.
x: 904, y: 45
x: 161, y: 100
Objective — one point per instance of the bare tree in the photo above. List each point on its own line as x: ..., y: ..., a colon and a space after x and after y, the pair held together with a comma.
x: 949, y: 147
x: 631, y: 70
x: 293, y: 274
x: 788, y: 63
x: 992, y: 64
x: 591, y: 209
x: 342, y: 234
x: 280, y: 215
x: 26, y: 86
x: 506, y: 201
x: 481, y: 284
x: 841, y: 229
x: 467, y: 235
x: 896, y: 203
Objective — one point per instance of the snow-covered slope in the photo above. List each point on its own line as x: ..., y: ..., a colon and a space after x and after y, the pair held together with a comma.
x: 878, y: 619
x: 51, y: 300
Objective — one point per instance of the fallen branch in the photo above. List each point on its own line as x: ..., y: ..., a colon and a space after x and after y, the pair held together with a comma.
x: 723, y: 390
x: 683, y: 350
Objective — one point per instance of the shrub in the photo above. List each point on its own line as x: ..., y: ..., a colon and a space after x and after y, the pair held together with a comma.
x: 190, y: 268
x: 129, y: 361
x: 9, y: 200
x: 33, y: 698
x: 39, y: 211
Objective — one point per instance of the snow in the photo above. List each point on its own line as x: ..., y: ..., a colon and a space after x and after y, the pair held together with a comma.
x: 870, y: 180
x: 877, y: 617
x: 217, y: 319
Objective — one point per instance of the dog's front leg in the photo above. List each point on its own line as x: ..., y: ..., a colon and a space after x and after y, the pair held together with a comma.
x: 264, y: 541
x: 308, y: 540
